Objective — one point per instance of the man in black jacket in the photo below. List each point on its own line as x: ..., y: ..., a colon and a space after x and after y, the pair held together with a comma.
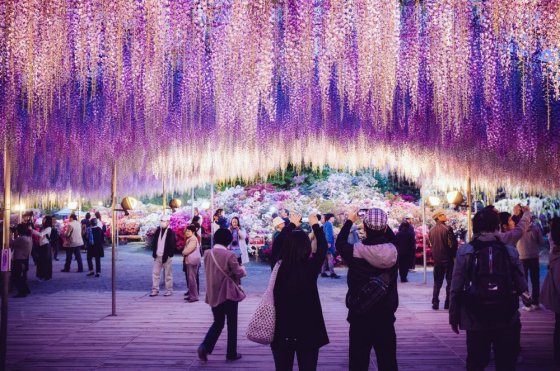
x: 164, y: 246
x: 444, y: 249
x: 375, y: 256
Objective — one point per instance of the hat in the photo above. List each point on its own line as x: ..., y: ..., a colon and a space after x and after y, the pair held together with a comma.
x: 165, y: 218
x: 409, y: 216
x: 437, y: 214
x: 375, y: 219
x: 277, y: 221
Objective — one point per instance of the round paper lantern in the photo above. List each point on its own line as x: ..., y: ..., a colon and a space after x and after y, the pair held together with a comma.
x: 455, y: 197
x: 175, y: 203
x: 129, y: 203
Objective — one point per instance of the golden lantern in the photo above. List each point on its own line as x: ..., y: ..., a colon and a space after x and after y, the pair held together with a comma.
x: 455, y: 198
x: 175, y: 203
x: 128, y: 203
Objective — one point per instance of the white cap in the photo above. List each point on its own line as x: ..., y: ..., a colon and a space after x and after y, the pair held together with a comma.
x: 408, y: 216
x: 165, y: 218
x: 277, y: 221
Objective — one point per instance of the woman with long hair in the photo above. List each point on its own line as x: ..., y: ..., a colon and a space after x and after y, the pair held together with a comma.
x: 550, y: 293
x: 44, y: 257
x: 300, y: 328
x: 238, y: 244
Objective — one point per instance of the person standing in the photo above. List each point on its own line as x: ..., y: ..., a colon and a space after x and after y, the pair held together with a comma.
x: 86, y: 230
x: 223, y: 294
x: 74, y: 244
x: 328, y: 264
x: 95, y: 251
x: 238, y: 243
x: 550, y: 293
x: 44, y: 258
x: 372, y: 260
x: 191, y: 262
x: 277, y: 240
x: 22, y: 246
x: 489, y: 313
x: 444, y: 248
x: 300, y: 328
x: 164, y: 244
x: 406, y: 247
x: 285, y: 215
x: 529, y: 248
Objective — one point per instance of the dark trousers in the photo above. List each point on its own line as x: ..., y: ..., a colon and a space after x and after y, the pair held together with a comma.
x: 19, y: 275
x: 557, y: 337
x: 441, y: 271
x: 378, y: 333
x: 226, y: 309
x: 404, y: 266
x: 77, y: 253
x: 90, y: 257
x: 44, y: 262
x: 54, y: 247
x: 504, y: 343
x: 284, y: 357
x: 532, y: 270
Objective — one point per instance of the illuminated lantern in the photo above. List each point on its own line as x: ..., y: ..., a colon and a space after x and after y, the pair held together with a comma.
x: 455, y: 198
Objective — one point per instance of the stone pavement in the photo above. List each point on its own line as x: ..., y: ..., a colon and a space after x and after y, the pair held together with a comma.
x: 65, y: 324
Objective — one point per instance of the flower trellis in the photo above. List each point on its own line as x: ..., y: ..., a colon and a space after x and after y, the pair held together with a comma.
x: 198, y: 90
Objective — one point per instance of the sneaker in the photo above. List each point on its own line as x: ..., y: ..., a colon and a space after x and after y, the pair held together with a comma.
x: 97, y: 275
x: 435, y: 305
x: 154, y: 293
x: 90, y: 274
x: 334, y: 275
x: 168, y: 293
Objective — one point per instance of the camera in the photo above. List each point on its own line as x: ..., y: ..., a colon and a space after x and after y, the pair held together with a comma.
x: 362, y: 212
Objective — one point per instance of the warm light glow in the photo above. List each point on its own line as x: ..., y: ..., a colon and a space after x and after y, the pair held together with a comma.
x: 434, y: 201
x: 454, y: 197
x: 205, y: 205
x: 19, y: 207
x: 72, y: 205
x: 99, y: 203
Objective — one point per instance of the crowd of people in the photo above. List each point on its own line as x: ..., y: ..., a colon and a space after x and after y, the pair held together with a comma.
x: 485, y: 278
x: 43, y: 244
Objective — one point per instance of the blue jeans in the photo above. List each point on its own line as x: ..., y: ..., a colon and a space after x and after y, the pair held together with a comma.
x: 76, y: 250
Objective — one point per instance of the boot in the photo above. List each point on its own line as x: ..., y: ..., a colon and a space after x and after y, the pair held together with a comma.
x: 435, y: 304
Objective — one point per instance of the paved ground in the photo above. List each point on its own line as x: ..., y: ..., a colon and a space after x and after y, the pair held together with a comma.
x: 65, y: 324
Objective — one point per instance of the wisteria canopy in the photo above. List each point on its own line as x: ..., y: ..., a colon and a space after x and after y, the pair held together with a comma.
x: 198, y: 91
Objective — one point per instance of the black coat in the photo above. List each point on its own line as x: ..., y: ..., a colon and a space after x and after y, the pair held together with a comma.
x: 406, y: 241
x: 97, y: 248
x: 299, y: 315
x: 170, y: 244
x: 359, y: 273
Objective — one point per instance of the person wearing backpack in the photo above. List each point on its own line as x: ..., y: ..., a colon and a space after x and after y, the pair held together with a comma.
x: 484, y: 299
x: 550, y: 292
x: 372, y: 297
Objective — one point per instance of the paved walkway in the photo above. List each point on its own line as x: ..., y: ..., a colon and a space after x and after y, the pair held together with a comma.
x: 66, y: 325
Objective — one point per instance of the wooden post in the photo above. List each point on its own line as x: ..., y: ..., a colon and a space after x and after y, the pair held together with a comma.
x: 5, y: 249
x: 192, y: 205
x: 114, y: 242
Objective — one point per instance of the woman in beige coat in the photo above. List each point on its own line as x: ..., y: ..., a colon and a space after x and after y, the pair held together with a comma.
x: 191, y: 262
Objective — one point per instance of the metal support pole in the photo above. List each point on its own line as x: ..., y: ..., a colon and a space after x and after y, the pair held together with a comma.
x: 424, y: 242
x: 114, y: 242
x: 469, y: 210
x: 164, y: 197
x: 5, y: 246
x: 192, y: 205
x: 212, y: 214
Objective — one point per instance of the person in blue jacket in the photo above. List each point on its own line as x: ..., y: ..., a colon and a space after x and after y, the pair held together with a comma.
x: 328, y: 265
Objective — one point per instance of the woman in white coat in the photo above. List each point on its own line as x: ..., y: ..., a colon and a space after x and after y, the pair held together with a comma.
x: 238, y: 244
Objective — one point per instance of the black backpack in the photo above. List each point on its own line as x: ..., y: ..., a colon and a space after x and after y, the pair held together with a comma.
x: 490, y: 293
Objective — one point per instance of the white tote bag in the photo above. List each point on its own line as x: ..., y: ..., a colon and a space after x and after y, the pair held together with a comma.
x: 263, y: 322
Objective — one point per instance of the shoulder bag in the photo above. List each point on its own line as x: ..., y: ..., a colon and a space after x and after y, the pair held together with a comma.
x: 263, y: 322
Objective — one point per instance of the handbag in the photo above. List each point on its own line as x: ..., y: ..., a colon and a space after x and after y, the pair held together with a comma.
x: 262, y: 324
x: 240, y: 290
x: 369, y: 295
